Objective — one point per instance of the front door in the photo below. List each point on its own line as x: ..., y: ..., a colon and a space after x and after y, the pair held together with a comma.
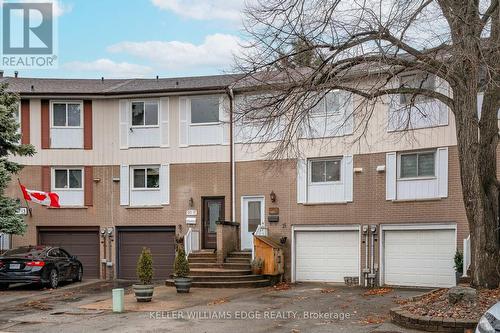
x: 252, y: 215
x: 213, y: 211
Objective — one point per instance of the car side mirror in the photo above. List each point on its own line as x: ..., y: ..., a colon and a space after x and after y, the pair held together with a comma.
x: 74, y: 257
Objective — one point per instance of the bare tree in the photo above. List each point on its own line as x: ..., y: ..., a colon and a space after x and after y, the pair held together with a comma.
x: 366, y: 48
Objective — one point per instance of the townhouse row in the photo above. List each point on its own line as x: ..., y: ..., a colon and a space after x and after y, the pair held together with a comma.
x: 142, y: 162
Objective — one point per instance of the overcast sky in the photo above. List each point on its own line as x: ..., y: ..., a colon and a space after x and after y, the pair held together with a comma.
x: 145, y: 38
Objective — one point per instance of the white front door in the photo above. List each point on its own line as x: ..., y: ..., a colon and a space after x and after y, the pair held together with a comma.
x: 252, y: 215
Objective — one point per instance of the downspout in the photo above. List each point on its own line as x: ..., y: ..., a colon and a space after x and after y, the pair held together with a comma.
x: 232, y: 189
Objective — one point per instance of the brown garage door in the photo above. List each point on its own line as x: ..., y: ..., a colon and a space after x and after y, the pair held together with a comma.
x: 161, y: 242
x: 82, y: 243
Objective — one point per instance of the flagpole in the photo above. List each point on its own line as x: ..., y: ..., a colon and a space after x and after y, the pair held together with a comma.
x: 26, y: 201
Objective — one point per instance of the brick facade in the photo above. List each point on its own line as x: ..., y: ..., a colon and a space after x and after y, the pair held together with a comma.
x: 252, y: 178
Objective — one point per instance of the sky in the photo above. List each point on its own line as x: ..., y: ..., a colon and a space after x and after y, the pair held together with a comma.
x: 144, y: 38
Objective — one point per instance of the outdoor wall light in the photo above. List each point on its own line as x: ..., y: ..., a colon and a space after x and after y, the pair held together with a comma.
x: 191, y: 202
x: 272, y: 196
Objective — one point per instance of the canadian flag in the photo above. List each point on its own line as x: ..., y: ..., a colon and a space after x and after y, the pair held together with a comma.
x: 50, y: 199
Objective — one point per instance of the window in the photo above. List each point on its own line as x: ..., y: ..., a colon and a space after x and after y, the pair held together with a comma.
x: 146, y: 178
x: 144, y: 114
x: 204, y: 109
x: 423, y: 81
x: 68, y: 179
x: 328, y: 105
x: 417, y: 165
x: 66, y: 114
x: 324, y: 171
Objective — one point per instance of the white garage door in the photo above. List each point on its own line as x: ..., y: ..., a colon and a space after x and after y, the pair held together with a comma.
x: 419, y: 258
x: 326, y: 255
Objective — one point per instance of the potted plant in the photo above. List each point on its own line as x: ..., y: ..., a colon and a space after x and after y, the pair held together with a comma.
x: 257, y: 265
x: 459, y: 265
x: 181, y: 271
x: 144, y: 290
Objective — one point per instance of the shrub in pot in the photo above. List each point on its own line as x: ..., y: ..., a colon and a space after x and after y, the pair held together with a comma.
x: 144, y: 290
x: 257, y: 265
x: 458, y: 264
x: 181, y: 271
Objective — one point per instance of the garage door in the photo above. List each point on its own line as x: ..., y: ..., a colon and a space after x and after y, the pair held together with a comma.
x: 82, y: 243
x: 326, y: 255
x: 161, y: 242
x: 419, y: 258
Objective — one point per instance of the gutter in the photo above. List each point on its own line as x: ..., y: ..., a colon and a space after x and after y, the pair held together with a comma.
x: 230, y: 94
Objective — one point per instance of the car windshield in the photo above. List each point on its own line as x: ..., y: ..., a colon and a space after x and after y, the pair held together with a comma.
x: 25, y: 251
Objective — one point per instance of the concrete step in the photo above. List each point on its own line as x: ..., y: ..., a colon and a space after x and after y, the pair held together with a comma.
x: 202, y: 255
x: 192, y: 260
x: 226, y: 284
x: 224, y: 265
x: 228, y: 278
x: 240, y: 254
x: 218, y: 272
x: 238, y: 260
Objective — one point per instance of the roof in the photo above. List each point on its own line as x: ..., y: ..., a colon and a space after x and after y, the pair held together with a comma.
x: 269, y: 241
x: 105, y: 87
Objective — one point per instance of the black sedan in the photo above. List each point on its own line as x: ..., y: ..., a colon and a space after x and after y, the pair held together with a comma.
x: 43, y: 265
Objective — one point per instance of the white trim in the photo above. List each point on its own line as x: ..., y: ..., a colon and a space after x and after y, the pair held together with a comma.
x: 145, y: 168
x: 51, y: 113
x: 408, y: 227
x: 145, y: 101
x: 53, y: 179
x: 316, y: 227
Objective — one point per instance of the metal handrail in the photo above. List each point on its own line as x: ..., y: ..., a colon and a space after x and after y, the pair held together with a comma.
x: 188, y: 242
x: 467, y: 256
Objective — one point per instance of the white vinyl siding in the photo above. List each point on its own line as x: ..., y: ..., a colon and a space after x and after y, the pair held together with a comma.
x: 421, y: 258
x: 68, y: 184
x: 66, y: 124
x: 326, y: 255
x: 407, y: 180
x: 335, y: 184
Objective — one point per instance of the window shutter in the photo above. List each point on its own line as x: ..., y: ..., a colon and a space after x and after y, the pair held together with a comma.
x: 443, y: 113
x: 124, y: 123
x: 164, y: 118
x: 124, y: 185
x: 184, y: 109
x: 442, y: 171
x: 46, y: 181
x: 224, y: 110
x: 165, y: 184
x: 45, y: 123
x: 89, y: 186
x: 301, y: 181
x: 347, y: 100
x: 25, y: 121
x: 347, y: 163
x: 390, y: 176
x: 87, y: 124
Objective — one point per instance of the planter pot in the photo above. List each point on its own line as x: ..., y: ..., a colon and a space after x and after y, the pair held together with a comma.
x: 182, y: 284
x: 256, y: 270
x: 458, y: 275
x: 143, y: 292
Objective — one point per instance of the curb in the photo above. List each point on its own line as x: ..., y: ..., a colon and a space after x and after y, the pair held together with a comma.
x: 406, y: 319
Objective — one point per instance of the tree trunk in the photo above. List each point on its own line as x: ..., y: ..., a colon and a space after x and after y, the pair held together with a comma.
x: 477, y: 146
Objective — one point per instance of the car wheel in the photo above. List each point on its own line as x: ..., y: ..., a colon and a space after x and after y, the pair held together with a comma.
x: 79, y: 275
x: 4, y: 286
x: 53, y: 278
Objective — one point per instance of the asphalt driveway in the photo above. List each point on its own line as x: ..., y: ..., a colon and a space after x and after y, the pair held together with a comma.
x: 302, y: 308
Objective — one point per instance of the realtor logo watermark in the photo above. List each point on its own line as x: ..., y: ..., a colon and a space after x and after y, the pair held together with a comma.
x: 29, y: 35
